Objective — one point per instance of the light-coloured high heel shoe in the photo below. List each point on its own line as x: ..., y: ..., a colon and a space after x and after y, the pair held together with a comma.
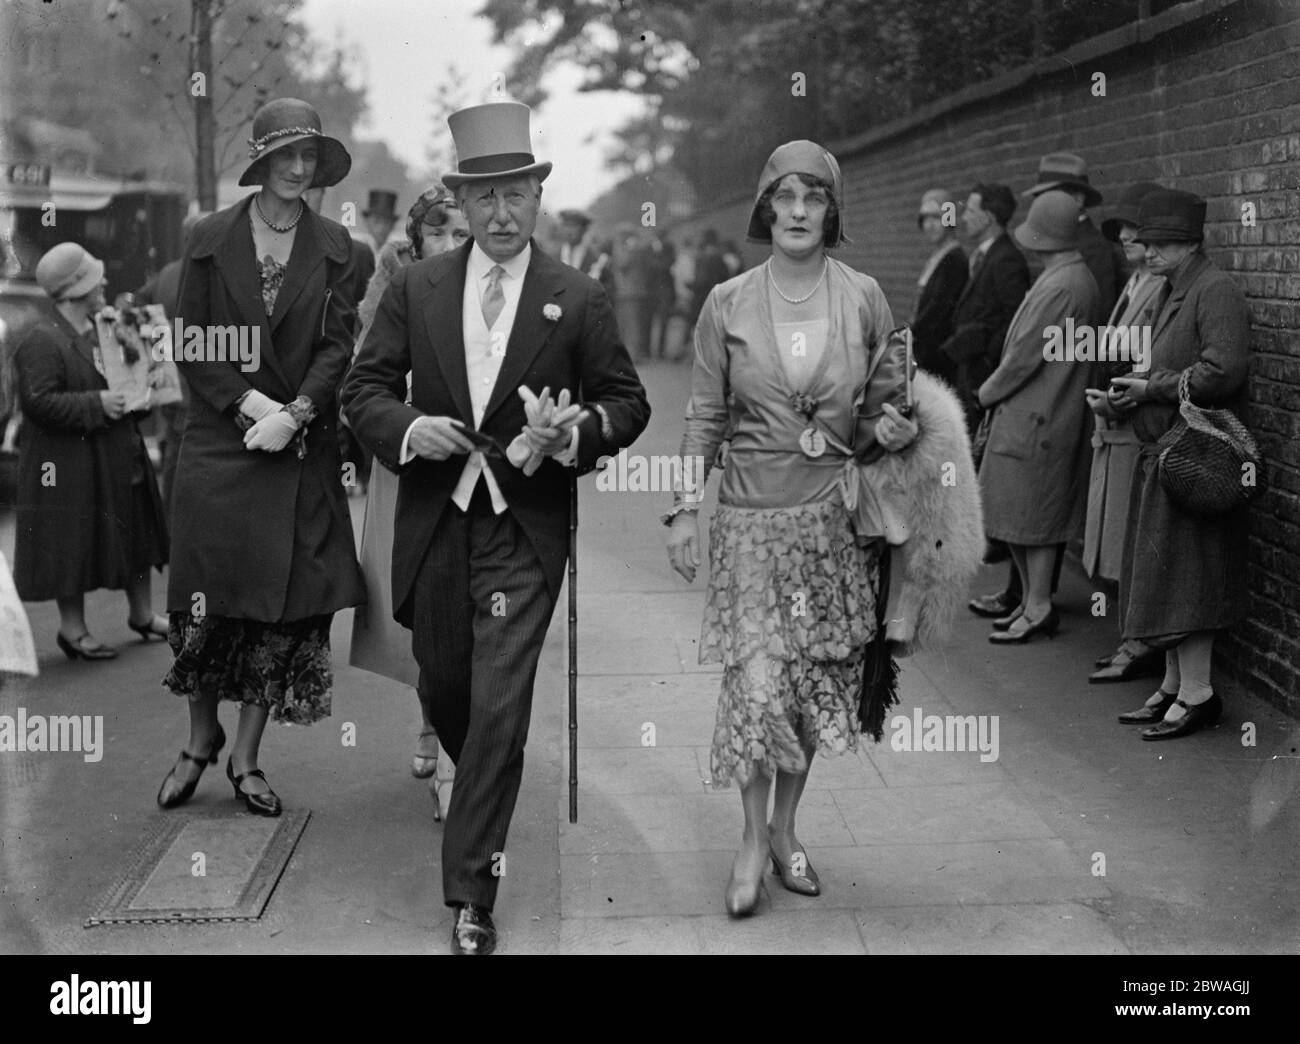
x: 440, y: 785
x: 743, y: 897
x: 423, y: 767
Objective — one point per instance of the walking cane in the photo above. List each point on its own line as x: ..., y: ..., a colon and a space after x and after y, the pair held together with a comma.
x: 573, y: 648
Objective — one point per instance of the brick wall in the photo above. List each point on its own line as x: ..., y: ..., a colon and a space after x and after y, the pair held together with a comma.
x: 1204, y: 97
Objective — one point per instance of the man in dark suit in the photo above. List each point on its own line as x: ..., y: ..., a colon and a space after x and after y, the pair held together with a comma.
x: 479, y: 542
x: 999, y: 280
x: 579, y: 249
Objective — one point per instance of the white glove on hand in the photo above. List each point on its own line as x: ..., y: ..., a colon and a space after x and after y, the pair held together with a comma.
x: 256, y: 405
x: 272, y: 433
x: 543, y: 415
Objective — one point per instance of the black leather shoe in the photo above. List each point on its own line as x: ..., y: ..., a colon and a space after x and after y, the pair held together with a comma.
x: 202, y: 760
x: 1148, y: 715
x: 473, y: 932
x: 992, y: 605
x: 1126, y: 665
x: 1195, y: 716
x: 267, y: 804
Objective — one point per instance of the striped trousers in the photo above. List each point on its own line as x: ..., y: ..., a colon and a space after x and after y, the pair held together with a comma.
x: 481, y: 611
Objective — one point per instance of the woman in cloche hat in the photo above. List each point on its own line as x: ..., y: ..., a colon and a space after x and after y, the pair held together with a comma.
x: 780, y: 350
x: 1034, y: 475
x: 89, y: 512
x: 1183, y: 578
x: 263, y: 550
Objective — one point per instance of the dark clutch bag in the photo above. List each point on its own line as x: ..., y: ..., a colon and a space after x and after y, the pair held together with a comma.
x: 889, y: 380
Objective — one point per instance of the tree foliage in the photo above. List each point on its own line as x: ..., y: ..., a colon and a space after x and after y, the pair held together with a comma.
x: 727, y: 80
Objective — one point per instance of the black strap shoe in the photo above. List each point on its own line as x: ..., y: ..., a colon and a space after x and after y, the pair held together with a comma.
x: 1147, y: 715
x: 473, y: 932
x: 1196, y: 716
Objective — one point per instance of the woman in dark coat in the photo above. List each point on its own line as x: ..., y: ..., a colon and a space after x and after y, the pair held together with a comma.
x: 89, y: 513
x: 1183, y: 577
x: 264, y: 548
x: 942, y: 280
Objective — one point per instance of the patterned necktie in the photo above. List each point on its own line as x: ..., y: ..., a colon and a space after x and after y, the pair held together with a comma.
x: 494, y: 299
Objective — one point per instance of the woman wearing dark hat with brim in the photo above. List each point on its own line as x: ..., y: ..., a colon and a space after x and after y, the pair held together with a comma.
x: 1034, y: 474
x: 780, y: 351
x: 1184, y: 577
x: 1114, y: 446
x: 263, y: 546
x: 89, y: 514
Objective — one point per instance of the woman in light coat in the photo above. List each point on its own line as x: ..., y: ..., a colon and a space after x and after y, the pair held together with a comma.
x: 1034, y: 474
x: 380, y: 644
x: 1114, y: 445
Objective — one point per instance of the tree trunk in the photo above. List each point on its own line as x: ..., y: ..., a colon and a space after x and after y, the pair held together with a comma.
x: 205, y: 165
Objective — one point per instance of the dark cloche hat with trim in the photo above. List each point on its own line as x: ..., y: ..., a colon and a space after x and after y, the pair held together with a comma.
x: 281, y: 122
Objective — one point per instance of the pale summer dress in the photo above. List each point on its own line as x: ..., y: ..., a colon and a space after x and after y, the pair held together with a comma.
x: 791, y: 595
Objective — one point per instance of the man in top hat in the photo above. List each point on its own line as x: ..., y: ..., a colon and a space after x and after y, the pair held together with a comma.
x: 480, y: 535
x: 380, y: 216
x: 1105, y: 260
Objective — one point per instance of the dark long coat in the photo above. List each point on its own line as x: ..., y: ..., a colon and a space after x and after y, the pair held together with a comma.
x: 418, y: 330
x: 1181, y: 572
x: 932, y: 324
x: 265, y: 536
x: 983, y: 313
x: 74, y: 472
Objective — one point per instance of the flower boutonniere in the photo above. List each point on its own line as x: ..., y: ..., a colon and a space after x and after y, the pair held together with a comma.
x: 552, y: 312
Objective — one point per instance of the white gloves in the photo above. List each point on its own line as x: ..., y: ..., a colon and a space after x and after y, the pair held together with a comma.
x: 256, y: 406
x: 523, y: 452
x: 272, y: 433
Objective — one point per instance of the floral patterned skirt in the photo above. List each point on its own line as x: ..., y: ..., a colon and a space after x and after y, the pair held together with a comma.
x: 284, y: 667
x: 790, y: 609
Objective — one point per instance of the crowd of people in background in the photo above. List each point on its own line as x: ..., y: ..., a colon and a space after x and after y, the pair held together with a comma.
x: 1067, y: 447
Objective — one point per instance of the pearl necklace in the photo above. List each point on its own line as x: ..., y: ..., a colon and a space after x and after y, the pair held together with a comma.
x: 796, y: 300
x: 271, y: 224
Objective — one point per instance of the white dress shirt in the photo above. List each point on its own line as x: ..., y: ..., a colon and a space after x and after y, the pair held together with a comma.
x: 485, y: 350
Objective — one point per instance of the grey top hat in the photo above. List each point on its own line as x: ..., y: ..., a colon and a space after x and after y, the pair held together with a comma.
x: 492, y: 141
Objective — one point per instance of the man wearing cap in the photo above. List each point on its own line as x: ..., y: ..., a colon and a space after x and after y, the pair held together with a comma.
x: 498, y: 337
x: 1069, y: 173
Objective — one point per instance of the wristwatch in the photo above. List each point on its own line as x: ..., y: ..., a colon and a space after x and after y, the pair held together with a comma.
x: 606, y: 428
